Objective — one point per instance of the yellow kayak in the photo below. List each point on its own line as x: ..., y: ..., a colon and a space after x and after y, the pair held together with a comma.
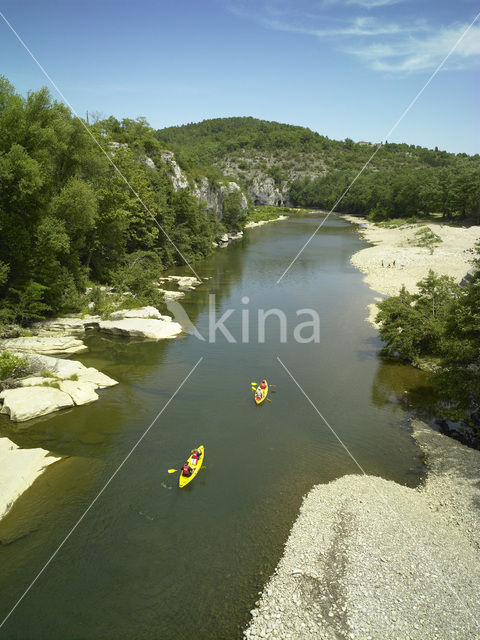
x: 264, y: 393
x: 184, y: 480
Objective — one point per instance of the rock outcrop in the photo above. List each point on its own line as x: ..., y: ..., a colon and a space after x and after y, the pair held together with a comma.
x: 26, y: 403
x: 51, y: 345
x: 145, y: 322
x: 38, y: 395
x: 143, y: 312
x: 263, y: 191
x: 66, y: 326
x: 211, y: 194
x: 151, y: 329
x: 63, y: 369
x: 179, y: 179
x: 19, y: 468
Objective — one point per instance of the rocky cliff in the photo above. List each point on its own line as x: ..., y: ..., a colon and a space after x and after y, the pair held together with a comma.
x: 214, y: 195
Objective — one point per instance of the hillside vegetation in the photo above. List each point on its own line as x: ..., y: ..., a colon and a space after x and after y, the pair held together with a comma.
x: 67, y: 217
x: 440, y: 326
x: 401, y: 180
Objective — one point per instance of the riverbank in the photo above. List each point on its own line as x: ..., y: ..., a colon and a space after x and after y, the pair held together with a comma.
x: 396, y: 257
x: 369, y: 558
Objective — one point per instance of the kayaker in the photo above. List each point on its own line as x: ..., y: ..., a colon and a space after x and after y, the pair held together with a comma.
x: 263, y: 384
x: 187, y: 470
x: 195, y: 457
x: 259, y: 392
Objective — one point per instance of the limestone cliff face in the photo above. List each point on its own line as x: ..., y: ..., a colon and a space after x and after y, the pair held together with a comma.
x: 263, y: 191
x: 179, y: 179
x: 212, y: 194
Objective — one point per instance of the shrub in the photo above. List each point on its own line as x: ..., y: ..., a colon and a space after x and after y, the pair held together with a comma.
x: 12, y: 366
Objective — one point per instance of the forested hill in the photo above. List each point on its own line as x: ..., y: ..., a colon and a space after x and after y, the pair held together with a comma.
x: 308, y: 169
x: 68, y: 219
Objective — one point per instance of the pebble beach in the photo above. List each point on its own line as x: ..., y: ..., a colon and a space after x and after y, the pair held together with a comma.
x: 368, y: 558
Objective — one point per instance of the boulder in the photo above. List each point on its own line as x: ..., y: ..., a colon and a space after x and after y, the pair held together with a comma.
x: 54, y: 345
x: 26, y: 403
x: 141, y: 328
x: 81, y: 392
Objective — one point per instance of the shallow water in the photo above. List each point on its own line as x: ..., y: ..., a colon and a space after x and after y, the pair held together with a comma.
x: 151, y: 561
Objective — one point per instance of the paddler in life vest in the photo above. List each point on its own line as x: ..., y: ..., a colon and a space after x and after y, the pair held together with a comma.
x: 187, y: 470
x: 195, y: 457
x: 263, y: 384
x: 259, y: 393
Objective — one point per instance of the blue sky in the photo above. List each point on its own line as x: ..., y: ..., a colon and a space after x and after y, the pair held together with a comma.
x: 344, y: 68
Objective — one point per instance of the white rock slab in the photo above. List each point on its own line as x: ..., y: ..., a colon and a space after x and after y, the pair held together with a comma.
x: 70, y: 326
x: 143, y: 312
x: 171, y: 295
x: 25, y: 403
x: 188, y: 281
x: 81, y: 392
x: 33, y: 381
x: 53, y: 345
x: 95, y: 377
x: 19, y: 468
x: 62, y: 368
x: 142, y: 328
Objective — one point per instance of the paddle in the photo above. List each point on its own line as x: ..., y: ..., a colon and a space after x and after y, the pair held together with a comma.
x: 254, y: 384
x: 175, y: 470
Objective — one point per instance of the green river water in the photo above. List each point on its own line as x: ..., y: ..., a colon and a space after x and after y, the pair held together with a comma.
x: 150, y: 561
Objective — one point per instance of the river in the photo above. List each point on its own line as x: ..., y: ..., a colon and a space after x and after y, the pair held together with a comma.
x: 149, y: 561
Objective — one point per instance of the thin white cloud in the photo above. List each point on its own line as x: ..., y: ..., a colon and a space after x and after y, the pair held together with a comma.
x: 373, y: 4
x: 405, y: 45
x: 415, y: 54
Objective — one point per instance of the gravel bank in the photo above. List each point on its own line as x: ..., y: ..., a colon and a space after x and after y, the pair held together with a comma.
x: 452, y: 257
x: 369, y: 558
